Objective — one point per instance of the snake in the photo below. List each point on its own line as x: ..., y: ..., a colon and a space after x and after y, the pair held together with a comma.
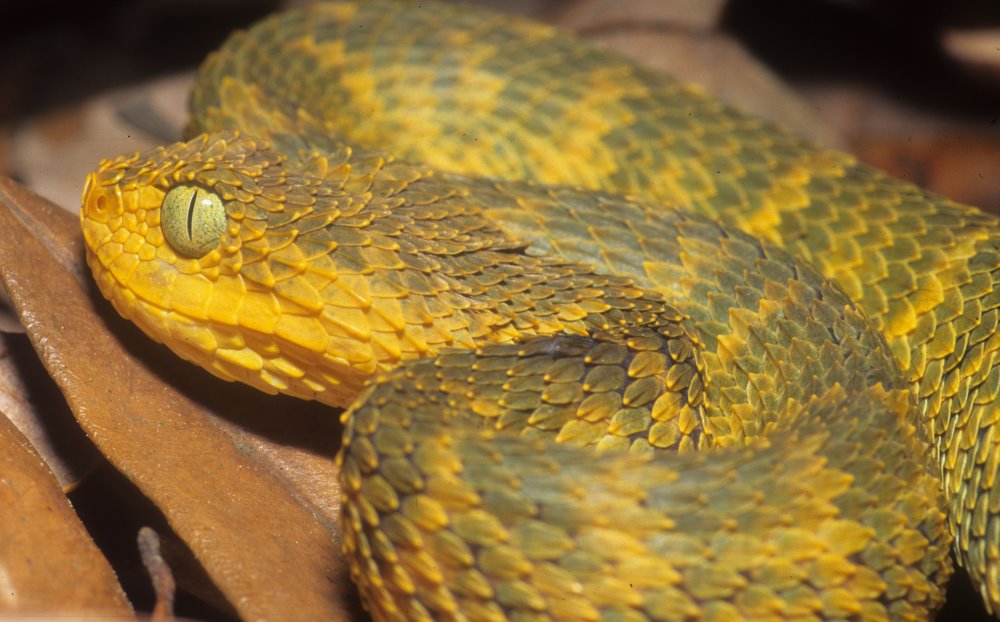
x: 608, y: 348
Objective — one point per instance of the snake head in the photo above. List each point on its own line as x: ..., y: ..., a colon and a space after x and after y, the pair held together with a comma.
x: 199, y: 243
x: 303, y: 268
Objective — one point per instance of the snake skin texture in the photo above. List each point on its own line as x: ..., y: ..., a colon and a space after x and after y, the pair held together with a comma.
x: 612, y: 350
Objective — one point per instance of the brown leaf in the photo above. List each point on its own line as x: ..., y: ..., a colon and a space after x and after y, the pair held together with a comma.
x: 600, y: 14
x: 246, y: 480
x: 48, y: 563
x: 31, y: 401
x: 976, y: 49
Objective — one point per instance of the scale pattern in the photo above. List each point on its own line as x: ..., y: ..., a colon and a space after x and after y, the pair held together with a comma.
x: 831, y: 345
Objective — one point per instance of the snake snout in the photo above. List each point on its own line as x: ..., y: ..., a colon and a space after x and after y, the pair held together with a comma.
x: 100, y: 202
x: 100, y: 205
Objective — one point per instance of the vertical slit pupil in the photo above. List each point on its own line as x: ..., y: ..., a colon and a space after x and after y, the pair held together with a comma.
x: 190, y: 214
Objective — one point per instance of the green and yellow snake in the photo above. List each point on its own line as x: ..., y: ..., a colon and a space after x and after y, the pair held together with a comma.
x: 542, y: 277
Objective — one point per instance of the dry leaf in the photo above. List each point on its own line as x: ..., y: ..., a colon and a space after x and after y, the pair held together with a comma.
x: 976, y: 49
x: 589, y: 15
x: 247, y: 481
x: 48, y: 563
x: 31, y: 401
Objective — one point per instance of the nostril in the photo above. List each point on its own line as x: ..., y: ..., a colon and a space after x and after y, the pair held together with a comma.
x: 101, y: 205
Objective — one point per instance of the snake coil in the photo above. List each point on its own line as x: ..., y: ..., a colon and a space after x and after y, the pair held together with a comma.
x: 542, y: 279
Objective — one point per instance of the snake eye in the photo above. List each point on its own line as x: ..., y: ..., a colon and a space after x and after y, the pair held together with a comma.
x: 192, y: 219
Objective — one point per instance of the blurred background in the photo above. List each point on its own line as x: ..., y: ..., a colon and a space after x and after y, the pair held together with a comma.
x: 911, y: 87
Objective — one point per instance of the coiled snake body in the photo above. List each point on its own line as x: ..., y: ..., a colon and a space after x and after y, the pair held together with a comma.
x: 566, y: 274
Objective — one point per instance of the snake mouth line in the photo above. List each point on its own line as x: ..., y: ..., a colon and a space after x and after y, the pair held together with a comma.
x: 234, y: 352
